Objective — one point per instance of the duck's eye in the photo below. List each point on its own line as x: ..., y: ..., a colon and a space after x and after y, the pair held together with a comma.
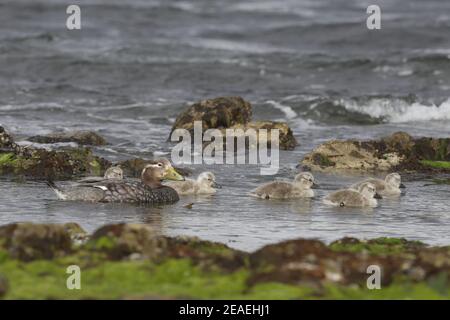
x: 160, y: 164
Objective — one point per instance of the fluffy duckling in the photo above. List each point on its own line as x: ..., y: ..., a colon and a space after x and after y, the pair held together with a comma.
x: 299, y: 188
x: 114, y: 173
x: 390, y: 186
x: 148, y: 190
x: 204, y: 184
x: 365, y: 196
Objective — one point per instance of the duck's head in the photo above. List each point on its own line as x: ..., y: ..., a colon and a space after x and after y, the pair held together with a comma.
x: 369, y: 191
x: 208, y: 179
x: 115, y: 172
x: 395, y: 180
x: 159, y: 170
x: 306, y: 180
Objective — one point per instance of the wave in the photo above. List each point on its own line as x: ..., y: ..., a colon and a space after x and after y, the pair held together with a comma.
x: 400, y: 111
x: 362, y: 110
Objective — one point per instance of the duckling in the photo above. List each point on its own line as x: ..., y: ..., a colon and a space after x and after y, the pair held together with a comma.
x: 390, y: 186
x: 299, y: 188
x: 148, y: 190
x: 205, y: 184
x: 114, y: 173
x: 365, y: 196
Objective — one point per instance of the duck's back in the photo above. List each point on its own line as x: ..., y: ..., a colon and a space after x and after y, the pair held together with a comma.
x: 347, y: 198
x: 138, y: 192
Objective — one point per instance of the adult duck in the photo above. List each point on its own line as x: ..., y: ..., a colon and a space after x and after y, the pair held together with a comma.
x: 148, y: 190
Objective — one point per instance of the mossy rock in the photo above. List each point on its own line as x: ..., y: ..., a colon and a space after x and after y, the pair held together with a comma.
x: 398, y: 152
x: 222, y: 112
x: 28, y: 241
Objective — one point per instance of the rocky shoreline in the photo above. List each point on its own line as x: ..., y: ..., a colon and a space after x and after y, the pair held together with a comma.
x: 123, y: 261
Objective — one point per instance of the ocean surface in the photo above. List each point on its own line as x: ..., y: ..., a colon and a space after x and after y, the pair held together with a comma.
x: 135, y: 65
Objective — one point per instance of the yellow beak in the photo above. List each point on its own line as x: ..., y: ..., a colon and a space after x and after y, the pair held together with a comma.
x: 171, y: 174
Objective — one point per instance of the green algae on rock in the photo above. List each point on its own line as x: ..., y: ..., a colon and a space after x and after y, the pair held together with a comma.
x: 44, y: 164
x: 398, y: 152
x: 130, y: 261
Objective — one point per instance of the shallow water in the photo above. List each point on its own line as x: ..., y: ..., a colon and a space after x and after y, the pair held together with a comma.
x: 134, y: 67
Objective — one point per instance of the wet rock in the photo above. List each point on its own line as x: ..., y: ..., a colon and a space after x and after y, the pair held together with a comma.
x: 398, y: 152
x: 222, y: 112
x: 346, y: 261
x: 128, y: 241
x: 28, y: 241
x: 77, y: 234
x: 4, y: 286
x: 231, y: 113
x: 82, y: 137
x: 45, y: 164
x: 120, y: 241
x: 287, y: 140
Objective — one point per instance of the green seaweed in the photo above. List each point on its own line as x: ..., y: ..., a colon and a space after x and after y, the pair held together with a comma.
x: 377, y: 246
x: 436, y: 164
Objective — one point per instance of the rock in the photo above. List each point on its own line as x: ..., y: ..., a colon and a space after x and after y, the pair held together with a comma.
x: 222, y: 112
x: 287, y: 140
x: 398, y: 152
x: 4, y: 286
x: 128, y: 241
x: 28, y: 241
x: 77, y: 234
x: 231, y: 113
x: 48, y: 164
x: 339, y: 155
x: 120, y: 241
x: 82, y: 137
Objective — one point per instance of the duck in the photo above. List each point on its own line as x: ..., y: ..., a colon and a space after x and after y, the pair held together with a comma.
x: 148, y: 190
x: 390, y: 186
x: 114, y: 173
x: 300, y: 187
x: 204, y: 184
x: 365, y: 196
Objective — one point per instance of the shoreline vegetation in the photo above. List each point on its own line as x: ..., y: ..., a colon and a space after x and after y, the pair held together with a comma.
x: 132, y: 261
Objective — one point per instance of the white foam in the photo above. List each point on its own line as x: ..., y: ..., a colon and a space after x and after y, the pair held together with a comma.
x: 399, y: 111
x: 287, y: 110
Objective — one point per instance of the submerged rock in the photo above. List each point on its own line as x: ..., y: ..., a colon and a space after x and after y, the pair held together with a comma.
x: 82, y: 137
x: 29, y: 241
x: 398, y: 152
x: 45, y: 164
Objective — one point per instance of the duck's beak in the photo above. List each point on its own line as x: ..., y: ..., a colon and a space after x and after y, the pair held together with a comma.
x: 172, y: 174
x: 377, y: 196
x: 402, y: 186
x: 216, y: 185
x: 315, y: 186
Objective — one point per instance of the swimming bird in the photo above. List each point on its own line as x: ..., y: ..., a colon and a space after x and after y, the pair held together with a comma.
x: 114, y: 173
x: 204, y: 184
x: 299, y: 188
x: 365, y: 196
x: 390, y: 186
x: 148, y: 190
